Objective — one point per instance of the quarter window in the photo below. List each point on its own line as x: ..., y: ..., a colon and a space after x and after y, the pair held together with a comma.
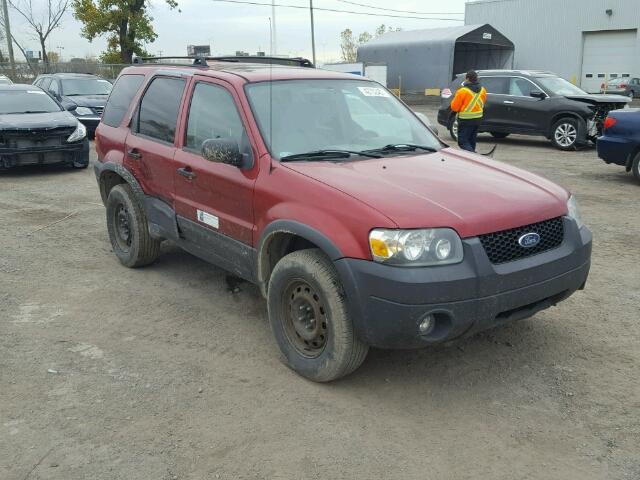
x: 54, y: 87
x: 123, y: 92
x: 213, y: 114
x: 158, y: 113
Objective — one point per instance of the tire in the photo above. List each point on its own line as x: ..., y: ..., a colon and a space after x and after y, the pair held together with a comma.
x: 453, y: 128
x: 128, y: 229
x: 499, y: 135
x: 80, y: 165
x: 320, y: 345
x: 635, y: 166
x: 564, y: 134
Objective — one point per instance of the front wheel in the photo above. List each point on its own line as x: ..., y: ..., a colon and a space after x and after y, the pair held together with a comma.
x: 564, y: 134
x: 309, y: 318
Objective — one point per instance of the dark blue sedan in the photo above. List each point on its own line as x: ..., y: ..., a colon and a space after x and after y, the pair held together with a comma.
x: 620, y: 142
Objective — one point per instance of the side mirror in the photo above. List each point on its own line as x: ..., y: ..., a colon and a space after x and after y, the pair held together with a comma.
x: 70, y: 107
x: 223, y: 150
x: 538, y: 94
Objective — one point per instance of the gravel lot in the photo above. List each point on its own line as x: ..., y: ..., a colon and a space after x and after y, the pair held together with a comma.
x: 162, y: 373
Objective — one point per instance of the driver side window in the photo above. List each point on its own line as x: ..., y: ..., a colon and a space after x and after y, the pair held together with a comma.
x: 212, y: 115
x: 521, y: 87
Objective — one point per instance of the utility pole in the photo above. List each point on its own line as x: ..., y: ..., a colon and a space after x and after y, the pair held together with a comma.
x: 274, y: 45
x: 313, y: 35
x: 7, y: 29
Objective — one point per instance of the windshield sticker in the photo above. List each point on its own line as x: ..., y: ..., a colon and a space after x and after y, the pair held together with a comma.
x: 373, y: 92
x: 36, y: 91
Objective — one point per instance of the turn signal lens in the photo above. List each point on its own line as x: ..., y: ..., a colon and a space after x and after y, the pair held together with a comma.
x: 379, y: 248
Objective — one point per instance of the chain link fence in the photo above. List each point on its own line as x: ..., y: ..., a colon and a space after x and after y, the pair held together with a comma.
x: 26, y: 73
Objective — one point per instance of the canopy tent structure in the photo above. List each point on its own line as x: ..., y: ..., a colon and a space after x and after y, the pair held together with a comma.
x: 424, y: 59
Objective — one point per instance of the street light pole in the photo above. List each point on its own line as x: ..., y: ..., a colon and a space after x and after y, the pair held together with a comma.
x: 274, y: 45
x: 7, y: 29
x: 313, y: 35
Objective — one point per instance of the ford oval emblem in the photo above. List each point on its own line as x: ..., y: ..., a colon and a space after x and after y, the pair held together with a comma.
x: 529, y: 240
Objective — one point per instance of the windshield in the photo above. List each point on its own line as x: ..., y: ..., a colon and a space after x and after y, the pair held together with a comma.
x: 312, y: 115
x: 26, y: 101
x: 559, y: 86
x: 85, y: 86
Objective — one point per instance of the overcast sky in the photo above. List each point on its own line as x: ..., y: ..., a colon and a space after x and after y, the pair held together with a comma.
x: 229, y: 27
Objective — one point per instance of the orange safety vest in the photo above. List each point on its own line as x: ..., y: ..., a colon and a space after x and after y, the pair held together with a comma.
x: 468, y: 104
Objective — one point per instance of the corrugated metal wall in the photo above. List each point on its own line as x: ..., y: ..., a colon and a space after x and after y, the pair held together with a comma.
x: 548, y: 34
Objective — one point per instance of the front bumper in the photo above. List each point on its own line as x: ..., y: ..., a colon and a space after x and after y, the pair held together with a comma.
x: 387, y: 303
x: 615, y: 150
x: 71, y: 153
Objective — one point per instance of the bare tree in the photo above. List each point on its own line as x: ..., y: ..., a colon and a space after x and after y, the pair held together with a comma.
x: 42, y: 21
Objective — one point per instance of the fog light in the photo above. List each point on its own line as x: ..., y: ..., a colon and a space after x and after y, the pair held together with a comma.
x: 426, y: 324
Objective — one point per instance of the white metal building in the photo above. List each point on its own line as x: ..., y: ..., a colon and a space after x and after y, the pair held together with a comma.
x: 585, y: 41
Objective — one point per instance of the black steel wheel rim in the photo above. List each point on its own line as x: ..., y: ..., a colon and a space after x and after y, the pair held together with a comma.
x: 122, y: 227
x: 304, y: 318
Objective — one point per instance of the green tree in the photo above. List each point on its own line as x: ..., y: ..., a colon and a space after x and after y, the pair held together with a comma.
x: 349, y: 44
x: 126, y: 24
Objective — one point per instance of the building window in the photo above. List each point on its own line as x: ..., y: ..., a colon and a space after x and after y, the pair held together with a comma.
x: 601, y: 75
x: 589, y: 75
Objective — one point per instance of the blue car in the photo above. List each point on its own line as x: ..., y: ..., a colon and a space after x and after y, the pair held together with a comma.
x: 620, y: 142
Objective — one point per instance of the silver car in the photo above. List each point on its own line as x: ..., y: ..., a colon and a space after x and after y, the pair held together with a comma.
x: 627, y: 86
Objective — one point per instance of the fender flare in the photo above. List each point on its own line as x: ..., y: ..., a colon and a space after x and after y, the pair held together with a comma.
x: 102, y: 168
x: 295, y: 228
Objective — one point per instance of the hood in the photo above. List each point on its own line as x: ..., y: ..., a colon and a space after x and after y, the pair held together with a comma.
x: 467, y: 192
x: 37, y: 120
x: 597, y: 98
x: 88, y: 100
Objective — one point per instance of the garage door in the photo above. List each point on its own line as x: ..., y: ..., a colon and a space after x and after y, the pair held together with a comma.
x: 607, y: 55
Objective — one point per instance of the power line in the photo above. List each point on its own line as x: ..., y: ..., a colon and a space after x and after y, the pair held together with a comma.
x: 400, y: 11
x: 369, y: 14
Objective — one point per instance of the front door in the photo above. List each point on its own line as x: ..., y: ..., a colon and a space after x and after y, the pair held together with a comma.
x: 528, y: 114
x: 150, y: 149
x: 214, y: 201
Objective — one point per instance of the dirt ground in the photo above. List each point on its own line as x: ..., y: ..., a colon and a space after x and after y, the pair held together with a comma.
x: 162, y: 373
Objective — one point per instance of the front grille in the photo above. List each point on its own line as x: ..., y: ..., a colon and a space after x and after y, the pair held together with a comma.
x: 35, y: 138
x: 502, y: 247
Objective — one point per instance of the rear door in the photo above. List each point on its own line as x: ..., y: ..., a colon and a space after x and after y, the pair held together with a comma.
x: 496, y: 112
x: 150, y: 147
x: 214, y: 201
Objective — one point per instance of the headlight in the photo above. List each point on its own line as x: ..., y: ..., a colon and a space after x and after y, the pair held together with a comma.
x: 83, y: 111
x: 78, y: 134
x: 436, y: 246
x: 573, y: 211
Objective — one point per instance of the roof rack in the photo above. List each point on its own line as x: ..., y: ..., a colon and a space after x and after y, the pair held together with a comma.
x: 198, y: 61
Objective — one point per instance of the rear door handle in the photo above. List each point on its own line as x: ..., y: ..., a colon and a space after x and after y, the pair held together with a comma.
x: 186, y: 172
x: 509, y: 102
x: 133, y: 153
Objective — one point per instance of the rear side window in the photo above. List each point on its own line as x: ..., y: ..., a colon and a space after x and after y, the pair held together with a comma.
x: 496, y: 85
x: 158, y: 113
x: 123, y: 92
x: 213, y: 114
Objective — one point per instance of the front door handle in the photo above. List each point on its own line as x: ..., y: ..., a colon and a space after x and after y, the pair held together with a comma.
x: 186, y: 172
x: 509, y: 102
x: 134, y: 153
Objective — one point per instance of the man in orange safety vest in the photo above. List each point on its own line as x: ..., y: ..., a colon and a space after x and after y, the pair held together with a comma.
x: 469, y: 103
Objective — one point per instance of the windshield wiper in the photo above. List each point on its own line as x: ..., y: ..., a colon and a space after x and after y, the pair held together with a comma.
x: 403, y: 147
x: 319, y: 154
x: 28, y: 111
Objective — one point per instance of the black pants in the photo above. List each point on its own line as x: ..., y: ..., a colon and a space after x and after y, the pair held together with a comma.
x: 467, y: 134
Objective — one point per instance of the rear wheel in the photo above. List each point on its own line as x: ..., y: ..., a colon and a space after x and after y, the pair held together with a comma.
x: 309, y: 318
x: 499, y: 135
x: 453, y: 128
x: 564, y: 134
x: 128, y: 229
x: 635, y: 166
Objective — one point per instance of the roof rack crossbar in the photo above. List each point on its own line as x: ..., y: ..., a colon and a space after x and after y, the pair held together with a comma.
x: 200, y: 61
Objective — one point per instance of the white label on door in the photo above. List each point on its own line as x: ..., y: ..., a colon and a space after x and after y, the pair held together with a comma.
x: 487, y: 36
x: 208, y: 219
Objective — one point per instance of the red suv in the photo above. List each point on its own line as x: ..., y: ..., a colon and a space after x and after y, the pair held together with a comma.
x: 359, y: 225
